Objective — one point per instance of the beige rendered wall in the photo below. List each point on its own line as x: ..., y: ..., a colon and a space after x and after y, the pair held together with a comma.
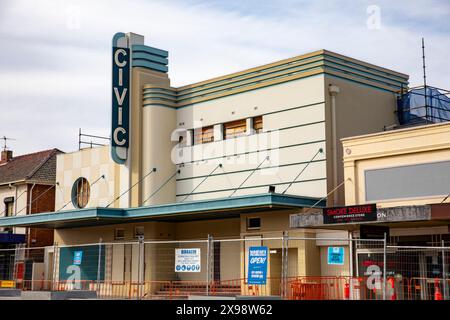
x: 140, y: 77
x: 417, y: 145
x: 360, y: 109
x: 90, y: 163
x: 159, y: 123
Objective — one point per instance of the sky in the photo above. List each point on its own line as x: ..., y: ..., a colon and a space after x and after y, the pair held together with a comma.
x: 55, y: 55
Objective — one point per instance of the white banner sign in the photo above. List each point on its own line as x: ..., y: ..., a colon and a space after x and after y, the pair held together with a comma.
x: 187, y: 260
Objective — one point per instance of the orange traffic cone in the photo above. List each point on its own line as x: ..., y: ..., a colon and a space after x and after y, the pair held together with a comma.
x: 437, y: 291
x: 346, y: 291
x: 392, y: 284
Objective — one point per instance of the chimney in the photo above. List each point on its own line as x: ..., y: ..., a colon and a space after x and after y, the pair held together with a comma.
x: 6, y: 156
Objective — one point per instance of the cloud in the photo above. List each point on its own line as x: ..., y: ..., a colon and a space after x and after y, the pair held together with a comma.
x: 55, y: 66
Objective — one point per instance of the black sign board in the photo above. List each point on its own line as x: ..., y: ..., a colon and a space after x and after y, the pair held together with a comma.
x: 373, y: 232
x: 350, y: 214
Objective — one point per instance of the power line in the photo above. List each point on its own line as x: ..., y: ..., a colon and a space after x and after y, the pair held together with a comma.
x: 292, y: 182
x: 153, y: 170
x: 157, y: 190
x: 71, y: 199
x: 248, y: 177
x: 218, y: 166
x: 332, y: 191
x: 32, y: 202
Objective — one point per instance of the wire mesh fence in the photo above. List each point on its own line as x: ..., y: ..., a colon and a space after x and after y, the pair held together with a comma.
x: 286, y: 267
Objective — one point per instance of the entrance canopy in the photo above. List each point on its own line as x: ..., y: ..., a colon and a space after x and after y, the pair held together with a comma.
x: 193, y: 210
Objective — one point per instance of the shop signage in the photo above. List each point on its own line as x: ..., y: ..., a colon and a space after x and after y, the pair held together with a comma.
x: 373, y: 232
x: 257, y: 265
x: 187, y: 260
x: 350, y: 214
x: 336, y: 255
x: 120, y: 97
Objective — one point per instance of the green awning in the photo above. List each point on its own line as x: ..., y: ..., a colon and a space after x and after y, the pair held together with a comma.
x: 181, y: 211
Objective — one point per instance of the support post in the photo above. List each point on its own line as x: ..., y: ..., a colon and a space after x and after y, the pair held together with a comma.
x: 55, y: 266
x: 284, y: 264
x: 209, y: 262
x: 444, y: 272
x: 384, y: 266
x: 99, y: 265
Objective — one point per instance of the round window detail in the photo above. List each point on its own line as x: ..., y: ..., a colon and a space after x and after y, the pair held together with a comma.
x: 81, y: 191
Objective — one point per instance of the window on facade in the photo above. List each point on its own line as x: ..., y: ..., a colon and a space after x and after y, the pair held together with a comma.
x: 234, y: 129
x: 258, y: 124
x: 119, y: 234
x: 9, y: 206
x: 80, y: 193
x: 204, y: 135
x: 253, y: 223
x: 138, y: 232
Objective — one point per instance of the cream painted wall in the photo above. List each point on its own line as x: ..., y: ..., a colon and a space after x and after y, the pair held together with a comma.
x: 360, y: 109
x: 298, y: 135
x: 159, y: 123
x: 91, y: 164
x: 416, y: 145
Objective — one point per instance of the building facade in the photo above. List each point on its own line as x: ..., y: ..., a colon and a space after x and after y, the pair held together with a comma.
x: 229, y: 157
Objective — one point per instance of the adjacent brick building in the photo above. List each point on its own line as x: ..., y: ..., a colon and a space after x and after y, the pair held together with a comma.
x: 27, y: 186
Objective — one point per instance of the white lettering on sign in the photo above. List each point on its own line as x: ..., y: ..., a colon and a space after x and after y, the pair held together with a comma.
x: 75, y: 276
x: 120, y: 142
x: 120, y: 98
x: 374, y: 279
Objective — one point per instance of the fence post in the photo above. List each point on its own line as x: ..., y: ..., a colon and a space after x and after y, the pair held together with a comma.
x: 99, y: 264
x: 284, y: 264
x: 209, y: 260
x: 444, y: 287
x: 141, y: 262
x: 384, y: 265
x: 55, y: 266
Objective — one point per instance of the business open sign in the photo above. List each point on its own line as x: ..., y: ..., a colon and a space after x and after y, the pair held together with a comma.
x: 350, y: 214
x: 120, y: 97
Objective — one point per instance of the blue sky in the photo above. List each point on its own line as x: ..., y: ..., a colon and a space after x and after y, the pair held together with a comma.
x: 55, y: 57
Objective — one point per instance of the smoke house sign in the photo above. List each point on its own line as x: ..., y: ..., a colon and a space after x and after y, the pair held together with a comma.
x: 350, y: 214
x: 120, y: 97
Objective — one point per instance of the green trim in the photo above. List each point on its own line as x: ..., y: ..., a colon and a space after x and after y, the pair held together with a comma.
x: 150, y: 57
x: 150, y: 50
x: 149, y: 65
x: 211, y: 207
x: 252, y: 187
x: 247, y: 170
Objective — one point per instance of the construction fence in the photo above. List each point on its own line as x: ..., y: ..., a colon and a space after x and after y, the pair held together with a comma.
x: 285, y: 267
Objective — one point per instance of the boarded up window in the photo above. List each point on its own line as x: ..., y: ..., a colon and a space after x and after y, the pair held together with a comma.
x: 204, y: 135
x: 234, y: 129
x: 258, y: 124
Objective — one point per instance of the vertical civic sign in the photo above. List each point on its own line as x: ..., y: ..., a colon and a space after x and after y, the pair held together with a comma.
x: 120, y: 97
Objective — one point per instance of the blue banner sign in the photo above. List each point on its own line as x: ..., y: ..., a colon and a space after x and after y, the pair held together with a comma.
x: 257, y: 265
x: 336, y: 255
x: 120, y: 97
x: 77, y: 257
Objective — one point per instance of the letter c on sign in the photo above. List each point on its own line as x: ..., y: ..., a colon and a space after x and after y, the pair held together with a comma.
x: 116, y: 58
x: 115, y: 136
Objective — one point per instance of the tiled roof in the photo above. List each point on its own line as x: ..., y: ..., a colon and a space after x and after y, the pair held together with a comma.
x: 38, y: 166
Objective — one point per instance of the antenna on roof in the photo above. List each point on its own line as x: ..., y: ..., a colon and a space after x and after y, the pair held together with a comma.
x: 424, y: 79
x: 4, y: 138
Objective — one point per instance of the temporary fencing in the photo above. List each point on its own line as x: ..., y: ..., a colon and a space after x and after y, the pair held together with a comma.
x: 287, y: 267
